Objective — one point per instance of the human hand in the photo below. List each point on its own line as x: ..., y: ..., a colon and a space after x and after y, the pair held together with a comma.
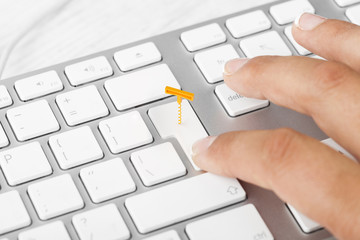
x: 317, y: 180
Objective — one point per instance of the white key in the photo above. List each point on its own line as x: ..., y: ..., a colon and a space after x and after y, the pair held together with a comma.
x: 138, y: 56
x: 203, y: 37
x: 169, y: 235
x: 300, y: 49
x: 239, y: 223
x: 353, y: 13
x: 235, y: 104
x: 38, y: 85
x: 24, y: 163
x: 140, y: 87
x: 125, y: 132
x: 211, y: 62
x: 182, y: 200
x: 344, y: 3
x: 107, y: 180
x: 75, y: 147
x: 268, y: 43
x: 55, y: 196
x: 54, y: 231
x: 88, y: 71
x: 5, y: 98
x: 248, y: 23
x: 286, y: 12
x: 331, y: 143
x: 13, y: 212
x: 32, y: 120
x: 158, y: 164
x: 306, y: 224
x: 4, y: 141
x: 165, y: 119
x: 82, y: 105
x: 101, y: 223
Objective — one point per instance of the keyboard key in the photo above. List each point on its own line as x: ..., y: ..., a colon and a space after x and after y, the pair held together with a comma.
x: 248, y: 23
x: 158, y: 164
x: 353, y: 13
x: 13, y: 212
x: 38, y: 85
x: 137, y: 56
x: 75, y: 147
x: 300, y: 49
x: 107, y: 180
x: 182, y: 200
x: 203, y: 37
x: 4, y: 141
x: 239, y: 223
x: 103, y: 223
x: 235, y: 104
x: 81, y: 105
x: 169, y: 235
x: 55, y: 196
x: 24, y: 163
x: 306, y: 224
x: 345, y: 3
x: 268, y: 43
x: 125, y: 132
x: 286, y: 12
x: 54, y: 231
x: 140, y: 87
x: 165, y: 119
x: 88, y: 71
x: 5, y: 98
x: 211, y: 62
x: 32, y: 120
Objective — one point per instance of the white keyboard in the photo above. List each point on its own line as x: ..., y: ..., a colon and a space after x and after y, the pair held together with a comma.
x: 91, y: 149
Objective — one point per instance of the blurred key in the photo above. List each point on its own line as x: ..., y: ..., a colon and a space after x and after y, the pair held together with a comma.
x: 344, y: 3
x: 300, y: 49
x: 286, y: 12
x: 4, y: 141
x: 305, y: 223
x: 353, y: 13
x: 54, y: 231
x: 5, y: 98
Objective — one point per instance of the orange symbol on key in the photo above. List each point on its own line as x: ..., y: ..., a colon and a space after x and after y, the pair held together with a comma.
x: 180, y: 95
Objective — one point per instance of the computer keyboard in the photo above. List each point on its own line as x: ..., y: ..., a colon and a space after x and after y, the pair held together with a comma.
x: 92, y: 149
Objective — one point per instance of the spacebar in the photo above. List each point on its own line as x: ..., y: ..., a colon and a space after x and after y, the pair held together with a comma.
x: 182, y: 200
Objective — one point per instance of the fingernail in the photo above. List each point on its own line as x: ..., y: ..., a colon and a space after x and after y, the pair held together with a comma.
x: 234, y: 65
x: 202, y: 145
x: 308, y: 21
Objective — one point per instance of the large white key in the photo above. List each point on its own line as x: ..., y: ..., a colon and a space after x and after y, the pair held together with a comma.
x: 103, y: 223
x: 165, y: 119
x: 55, y: 196
x: 353, y: 13
x: 38, y: 85
x: 125, y: 132
x: 107, y: 180
x: 5, y: 98
x: 239, y: 223
x: 235, y: 104
x: 24, y: 163
x: 248, y: 23
x: 82, y: 105
x: 344, y: 3
x: 54, y: 231
x: 75, y: 147
x: 158, y: 164
x: 212, y: 62
x: 4, y: 141
x: 138, y: 56
x: 169, y: 235
x: 32, y: 120
x: 203, y: 37
x: 140, y: 87
x: 306, y: 224
x: 300, y: 49
x: 182, y: 200
x: 89, y: 70
x: 268, y: 43
x: 13, y: 212
x: 286, y: 12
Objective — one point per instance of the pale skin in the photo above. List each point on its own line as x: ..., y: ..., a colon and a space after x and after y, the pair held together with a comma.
x: 329, y: 92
